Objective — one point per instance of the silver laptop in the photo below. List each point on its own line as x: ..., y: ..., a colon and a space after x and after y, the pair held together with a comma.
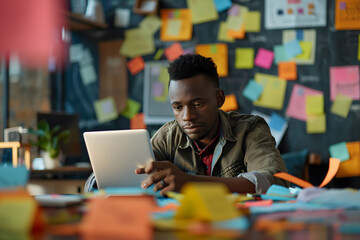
x: 114, y: 156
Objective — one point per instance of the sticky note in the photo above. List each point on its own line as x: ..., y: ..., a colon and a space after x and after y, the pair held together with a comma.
x: 136, y: 65
x: 264, y: 58
x: 202, y: 11
x: 341, y: 105
x: 293, y: 48
x: 276, y: 122
x: 316, y: 124
x: 173, y: 52
x: 88, y: 73
x: 238, y: 34
x: 137, y: 43
x: 345, y: 80
x: 306, y: 50
x: 164, y: 80
x: 280, y: 54
x: 11, y: 177
x: 340, y: 151
x: 157, y: 89
x: 222, y: 5
x: 351, y: 167
x: 121, y: 17
x: 222, y: 33
x: 244, y: 58
x: 173, y: 27
x: 105, y: 110
x: 206, y: 201
x: 220, y: 57
x: 230, y: 103
x: 253, y: 90
x: 252, y: 21
x: 75, y: 52
x: 314, y: 104
x: 234, y: 10
x: 287, y: 70
x: 137, y: 122
x: 151, y: 23
x: 168, y: 16
x: 131, y: 109
x: 359, y: 48
x: 159, y: 54
x: 273, y: 93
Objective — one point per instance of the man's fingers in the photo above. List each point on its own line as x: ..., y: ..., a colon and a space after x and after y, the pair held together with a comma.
x: 154, y: 178
x: 156, y: 165
x: 140, y: 170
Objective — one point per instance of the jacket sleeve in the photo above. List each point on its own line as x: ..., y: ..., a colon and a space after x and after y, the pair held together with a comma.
x: 261, y: 155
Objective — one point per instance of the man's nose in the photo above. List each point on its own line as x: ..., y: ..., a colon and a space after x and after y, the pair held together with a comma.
x: 188, y: 114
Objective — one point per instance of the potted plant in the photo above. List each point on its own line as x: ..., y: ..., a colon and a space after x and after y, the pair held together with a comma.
x: 49, y: 142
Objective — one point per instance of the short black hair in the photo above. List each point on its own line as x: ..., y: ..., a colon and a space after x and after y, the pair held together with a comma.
x: 189, y: 65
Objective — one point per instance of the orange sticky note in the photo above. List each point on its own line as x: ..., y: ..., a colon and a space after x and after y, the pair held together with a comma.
x: 351, y: 167
x: 173, y: 52
x: 347, y: 16
x: 219, y: 54
x: 137, y: 122
x: 180, y: 19
x: 118, y: 218
x: 230, y: 103
x: 287, y: 70
x: 239, y: 34
x: 136, y: 65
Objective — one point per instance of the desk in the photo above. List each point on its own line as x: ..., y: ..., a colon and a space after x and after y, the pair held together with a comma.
x: 64, y: 180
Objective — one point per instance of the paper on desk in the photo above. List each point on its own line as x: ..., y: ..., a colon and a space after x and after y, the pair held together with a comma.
x: 206, y: 202
x: 334, y: 164
x: 118, y: 217
x: 202, y: 11
x: 230, y: 103
x: 105, y: 109
x: 273, y: 93
x: 244, y: 58
x: 218, y: 52
x: 341, y: 105
x: 253, y: 90
x: 151, y: 23
x: 351, y: 167
x: 11, y: 177
x: 131, y: 109
x: 278, y: 193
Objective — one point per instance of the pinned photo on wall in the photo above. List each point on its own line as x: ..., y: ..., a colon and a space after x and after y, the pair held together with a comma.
x: 105, y: 110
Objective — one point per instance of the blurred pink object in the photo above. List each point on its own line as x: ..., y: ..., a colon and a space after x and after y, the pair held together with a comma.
x: 32, y: 30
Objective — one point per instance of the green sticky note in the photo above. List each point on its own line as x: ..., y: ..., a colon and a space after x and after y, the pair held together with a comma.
x: 341, y: 105
x: 340, y: 151
x: 359, y: 48
x: 280, y: 54
x: 131, y: 109
x: 306, y: 51
x: 244, y: 58
x: 177, y: 13
x: 252, y: 21
x: 213, y: 48
x: 222, y: 33
x: 105, y: 110
x: 314, y: 104
x: 159, y: 54
x: 316, y: 123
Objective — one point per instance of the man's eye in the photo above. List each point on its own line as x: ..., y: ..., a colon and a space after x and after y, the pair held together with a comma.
x: 197, y: 104
x: 177, y: 107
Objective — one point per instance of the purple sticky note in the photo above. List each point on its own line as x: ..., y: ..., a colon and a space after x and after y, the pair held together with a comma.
x: 342, y: 5
x: 264, y: 58
x: 233, y: 11
x: 300, y: 10
x: 157, y: 89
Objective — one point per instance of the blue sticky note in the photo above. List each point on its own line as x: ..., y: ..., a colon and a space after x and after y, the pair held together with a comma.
x: 280, y: 54
x: 239, y: 223
x: 222, y: 5
x: 253, y: 90
x: 292, y: 48
x: 300, y: 35
x: 340, y: 151
x: 13, y: 177
x: 276, y: 122
x: 131, y: 191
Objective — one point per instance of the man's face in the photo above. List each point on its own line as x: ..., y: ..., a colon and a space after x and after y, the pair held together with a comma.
x: 195, y: 102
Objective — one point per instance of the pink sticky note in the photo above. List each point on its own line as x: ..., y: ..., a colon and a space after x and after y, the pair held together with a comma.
x: 342, y: 5
x: 157, y: 89
x: 345, y: 80
x: 264, y: 58
x: 294, y: 1
x: 297, y: 104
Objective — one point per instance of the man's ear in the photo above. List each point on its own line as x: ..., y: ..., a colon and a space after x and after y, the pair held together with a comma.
x: 220, y: 96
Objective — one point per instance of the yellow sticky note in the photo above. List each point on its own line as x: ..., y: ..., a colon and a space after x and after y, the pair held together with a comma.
x: 359, y: 48
x: 306, y: 50
x: 230, y: 103
x: 316, y: 123
x: 252, y: 21
x: 173, y: 27
x: 244, y: 58
x: 202, y: 11
x: 137, y: 43
x: 222, y: 33
x: 351, y: 167
x: 151, y: 23
x: 218, y: 52
x: 105, y: 110
x: 159, y: 54
x: 341, y: 105
x: 163, y: 78
x: 131, y: 109
x: 206, y: 202
x: 273, y: 93
x: 314, y: 104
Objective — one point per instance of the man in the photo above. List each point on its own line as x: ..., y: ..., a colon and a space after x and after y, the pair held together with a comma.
x: 205, y: 144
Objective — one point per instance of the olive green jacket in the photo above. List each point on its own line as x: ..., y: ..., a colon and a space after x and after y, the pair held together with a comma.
x: 245, y: 145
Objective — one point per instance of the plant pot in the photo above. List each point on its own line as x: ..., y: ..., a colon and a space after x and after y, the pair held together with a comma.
x: 49, y: 162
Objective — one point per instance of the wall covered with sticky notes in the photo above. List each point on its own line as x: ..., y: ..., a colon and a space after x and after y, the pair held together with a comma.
x: 296, y: 63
